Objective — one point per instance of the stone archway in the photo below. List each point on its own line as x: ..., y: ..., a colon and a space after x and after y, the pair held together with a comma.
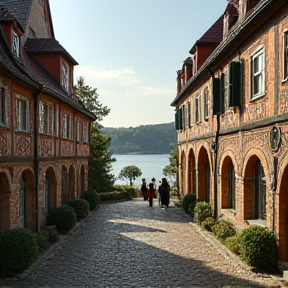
x: 191, y: 173
x: 50, y: 191
x: 82, y: 181
x: 72, y: 183
x: 254, y: 190
x: 204, y: 177
x: 64, y: 186
x: 27, y: 199
x: 5, y: 195
x: 228, y: 193
x: 283, y: 217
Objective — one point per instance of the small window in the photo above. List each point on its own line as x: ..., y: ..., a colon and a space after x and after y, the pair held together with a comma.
x: 224, y: 92
x: 22, y: 113
x: 206, y: 103
x: 15, y: 44
x: 189, y: 114
x: 67, y: 126
x: 285, y: 55
x: 46, y: 118
x: 65, y: 77
x: 197, y: 111
x: 79, y: 130
x: 2, y: 107
x: 257, y: 74
x: 85, y: 133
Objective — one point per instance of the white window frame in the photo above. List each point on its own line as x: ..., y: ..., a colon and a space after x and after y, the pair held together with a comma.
x: 206, y: 102
x: 3, y: 108
x: 22, y: 115
x: 65, y: 76
x: 46, y: 118
x: 67, y: 126
x: 15, y: 44
x: 85, y: 132
x: 285, y: 55
x: 259, y: 74
x: 79, y: 130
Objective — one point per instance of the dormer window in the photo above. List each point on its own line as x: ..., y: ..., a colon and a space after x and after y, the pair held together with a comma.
x: 15, y: 44
x: 65, y: 77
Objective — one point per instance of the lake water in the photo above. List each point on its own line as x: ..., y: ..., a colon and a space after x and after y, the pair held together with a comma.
x: 150, y: 166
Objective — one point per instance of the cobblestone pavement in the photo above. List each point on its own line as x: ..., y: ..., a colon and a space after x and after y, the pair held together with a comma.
x: 128, y: 244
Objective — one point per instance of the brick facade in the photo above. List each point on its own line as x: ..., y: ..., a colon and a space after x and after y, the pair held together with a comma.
x: 44, y: 130
x: 232, y: 120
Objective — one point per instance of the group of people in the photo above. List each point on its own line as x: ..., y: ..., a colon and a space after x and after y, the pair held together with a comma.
x: 148, y: 192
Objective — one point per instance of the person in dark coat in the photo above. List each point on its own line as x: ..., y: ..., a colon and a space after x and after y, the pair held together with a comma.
x: 164, y: 190
x: 144, y: 189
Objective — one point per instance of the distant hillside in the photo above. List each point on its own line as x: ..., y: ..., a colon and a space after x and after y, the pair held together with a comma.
x: 144, y: 139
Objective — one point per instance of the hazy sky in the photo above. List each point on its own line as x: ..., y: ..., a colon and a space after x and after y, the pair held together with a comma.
x: 130, y: 50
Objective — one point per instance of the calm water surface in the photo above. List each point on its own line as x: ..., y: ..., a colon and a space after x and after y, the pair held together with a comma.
x: 151, y: 165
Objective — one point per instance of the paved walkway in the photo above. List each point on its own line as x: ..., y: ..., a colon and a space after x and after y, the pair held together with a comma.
x: 129, y: 244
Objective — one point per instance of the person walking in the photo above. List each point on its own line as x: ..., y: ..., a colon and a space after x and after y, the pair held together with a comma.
x: 164, y: 190
x: 144, y: 189
x: 151, y: 194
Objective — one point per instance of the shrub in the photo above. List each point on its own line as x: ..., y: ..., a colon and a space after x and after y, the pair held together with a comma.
x: 223, y: 229
x: 115, y: 196
x: 208, y: 223
x: 258, y: 247
x: 202, y: 210
x: 92, y: 197
x: 81, y: 207
x: 18, y: 250
x: 63, y: 217
x: 187, y: 200
x: 232, y: 243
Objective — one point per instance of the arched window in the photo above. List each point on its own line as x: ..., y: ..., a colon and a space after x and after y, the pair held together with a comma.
x: 259, y: 192
x: 231, y: 193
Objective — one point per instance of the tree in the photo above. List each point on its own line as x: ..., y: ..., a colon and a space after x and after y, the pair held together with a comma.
x: 130, y: 172
x: 89, y: 98
x: 100, y: 164
x: 171, y: 170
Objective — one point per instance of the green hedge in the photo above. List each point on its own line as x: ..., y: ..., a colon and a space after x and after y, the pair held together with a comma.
x: 18, y: 250
x: 63, y: 217
x: 223, y: 229
x: 92, y: 197
x: 258, y: 247
x: 81, y: 207
x: 187, y: 201
x: 202, y: 211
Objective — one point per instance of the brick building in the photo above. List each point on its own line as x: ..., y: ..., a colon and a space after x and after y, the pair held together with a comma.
x: 232, y: 117
x: 44, y: 130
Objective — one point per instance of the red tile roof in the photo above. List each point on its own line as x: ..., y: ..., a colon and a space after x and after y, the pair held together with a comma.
x: 47, y: 46
x: 213, y: 35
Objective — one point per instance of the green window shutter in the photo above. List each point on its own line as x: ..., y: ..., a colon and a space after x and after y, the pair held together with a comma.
x: 189, y: 114
x: 234, y: 83
x: 180, y: 118
x: 183, y: 117
x: 177, y: 126
x: 222, y: 94
x: 216, y: 95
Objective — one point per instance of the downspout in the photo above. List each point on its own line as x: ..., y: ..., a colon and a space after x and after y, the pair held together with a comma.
x: 214, y: 148
x: 36, y: 155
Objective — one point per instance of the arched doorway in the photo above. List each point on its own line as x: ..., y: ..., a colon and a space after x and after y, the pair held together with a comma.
x: 183, y: 171
x: 283, y: 217
x: 191, y: 173
x: 72, y: 183
x: 228, y: 196
x: 5, y: 195
x: 82, y: 181
x: 50, y: 200
x: 65, y: 185
x: 254, y: 190
x: 204, y: 176
x: 27, y: 200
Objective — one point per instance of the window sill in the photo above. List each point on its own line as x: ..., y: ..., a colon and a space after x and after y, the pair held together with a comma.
x: 262, y: 95
x: 4, y: 126
x: 230, y: 210
x: 258, y: 222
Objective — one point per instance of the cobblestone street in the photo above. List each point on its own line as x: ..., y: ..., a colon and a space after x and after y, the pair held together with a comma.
x: 129, y: 244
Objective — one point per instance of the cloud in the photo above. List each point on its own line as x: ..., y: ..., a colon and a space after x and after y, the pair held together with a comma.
x: 125, y: 76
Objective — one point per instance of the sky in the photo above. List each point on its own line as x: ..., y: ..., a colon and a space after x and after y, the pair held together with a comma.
x: 130, y: 50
